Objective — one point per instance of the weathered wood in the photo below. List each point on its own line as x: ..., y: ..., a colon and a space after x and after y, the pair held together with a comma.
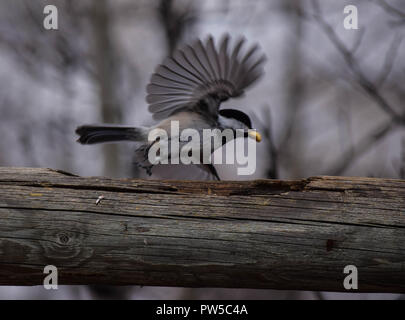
x: 258, y: 234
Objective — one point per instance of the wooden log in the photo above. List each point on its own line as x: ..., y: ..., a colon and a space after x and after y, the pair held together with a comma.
x: 255, y: 234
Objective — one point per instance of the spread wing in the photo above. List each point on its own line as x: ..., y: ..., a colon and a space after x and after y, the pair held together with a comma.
x: 199, y: 75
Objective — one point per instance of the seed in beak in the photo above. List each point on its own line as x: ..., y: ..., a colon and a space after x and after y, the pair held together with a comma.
x: 255, y: 135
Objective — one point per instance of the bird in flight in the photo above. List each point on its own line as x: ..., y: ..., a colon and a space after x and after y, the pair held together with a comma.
x: 188, y: 88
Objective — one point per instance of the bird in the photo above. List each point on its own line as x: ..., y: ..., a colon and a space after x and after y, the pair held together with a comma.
x: 189, y: 87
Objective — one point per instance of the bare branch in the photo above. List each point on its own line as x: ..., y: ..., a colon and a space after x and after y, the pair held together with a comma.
x: 175, y: 21
x: 358, y: 40
x: 364, y: 145
x: 352, y: 63
x: 391, y: 9
x: 389, y: 60
x: 293, y: 72
x: 267, y: 131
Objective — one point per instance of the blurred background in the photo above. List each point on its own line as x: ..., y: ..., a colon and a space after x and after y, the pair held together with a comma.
x: 332, y: 101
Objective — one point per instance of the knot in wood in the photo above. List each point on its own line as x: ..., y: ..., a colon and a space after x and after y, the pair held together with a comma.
x: 63, y: 238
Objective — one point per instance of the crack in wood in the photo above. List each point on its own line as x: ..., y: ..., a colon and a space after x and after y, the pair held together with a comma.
x: 253, y: 234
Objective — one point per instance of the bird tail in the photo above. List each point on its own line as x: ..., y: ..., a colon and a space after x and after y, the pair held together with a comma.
x: 91, y: 134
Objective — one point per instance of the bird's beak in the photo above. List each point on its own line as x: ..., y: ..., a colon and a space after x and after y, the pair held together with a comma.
x: 255, y: 135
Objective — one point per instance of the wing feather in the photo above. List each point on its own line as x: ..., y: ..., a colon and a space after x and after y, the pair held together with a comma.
x: 187, y: 57
x: 234, y: 61
x: 166, y: 71
x: 204, y: 58
x: 180, y: 58
x: 213, y: 57
x: 160, y: 79
x: 166, y: 104
x: 158, y: 89
x: 179, y: 69
x: 196, y: 57
x: 223, y: 57
x: 201, y: 73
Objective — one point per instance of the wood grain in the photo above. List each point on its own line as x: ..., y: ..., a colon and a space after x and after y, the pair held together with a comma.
x: 258, y: 234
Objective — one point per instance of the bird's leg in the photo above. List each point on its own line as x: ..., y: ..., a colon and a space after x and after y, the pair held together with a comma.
x: 213, y: 171
x: 141, y: 158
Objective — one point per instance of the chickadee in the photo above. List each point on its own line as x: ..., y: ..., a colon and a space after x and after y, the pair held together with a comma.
x: 189, y: 87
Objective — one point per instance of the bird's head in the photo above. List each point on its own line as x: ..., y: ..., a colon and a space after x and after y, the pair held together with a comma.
x: 236, y: 119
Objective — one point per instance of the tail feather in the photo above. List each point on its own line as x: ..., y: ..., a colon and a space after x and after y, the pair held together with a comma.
x: 91, y: 134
